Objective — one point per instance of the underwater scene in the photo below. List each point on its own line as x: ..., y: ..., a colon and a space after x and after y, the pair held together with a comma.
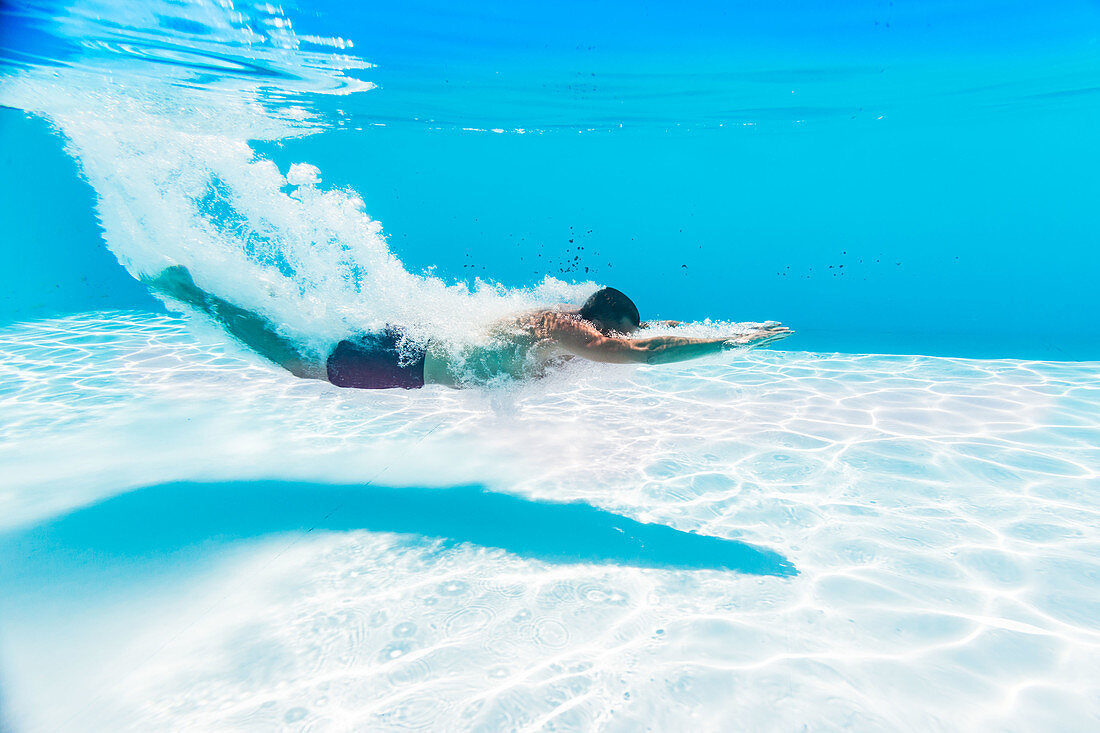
x: 587, y: 366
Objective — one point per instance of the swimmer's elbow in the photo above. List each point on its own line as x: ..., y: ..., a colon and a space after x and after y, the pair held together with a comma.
x: 613, y: 351
x: 648, y: 353
x: 636, y: 352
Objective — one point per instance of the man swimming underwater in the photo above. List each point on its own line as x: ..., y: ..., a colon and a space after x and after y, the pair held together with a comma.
x: 522, y: 346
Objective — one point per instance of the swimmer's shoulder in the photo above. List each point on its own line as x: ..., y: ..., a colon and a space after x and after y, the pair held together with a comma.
x: 548, y: 322
x: 540, y: 322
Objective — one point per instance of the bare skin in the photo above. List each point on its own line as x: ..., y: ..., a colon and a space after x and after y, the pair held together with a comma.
x: 532, y: 342
x: 522, y: 347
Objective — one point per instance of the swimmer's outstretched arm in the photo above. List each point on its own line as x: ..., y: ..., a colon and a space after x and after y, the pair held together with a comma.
x: 586, y: 342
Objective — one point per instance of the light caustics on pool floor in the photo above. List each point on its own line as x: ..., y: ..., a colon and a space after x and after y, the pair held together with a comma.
x: 942, y: 516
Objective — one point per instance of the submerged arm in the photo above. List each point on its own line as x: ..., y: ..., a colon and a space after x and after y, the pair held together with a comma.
x: 583, y: 340
x: 668, y: 349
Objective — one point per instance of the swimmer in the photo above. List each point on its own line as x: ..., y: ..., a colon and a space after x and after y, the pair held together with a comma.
x: 520, y: 347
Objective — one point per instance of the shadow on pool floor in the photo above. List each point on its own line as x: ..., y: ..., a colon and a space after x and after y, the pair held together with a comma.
x: 166, y: 518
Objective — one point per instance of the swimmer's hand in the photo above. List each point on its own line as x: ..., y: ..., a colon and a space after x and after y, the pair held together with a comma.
x: 769, y: 333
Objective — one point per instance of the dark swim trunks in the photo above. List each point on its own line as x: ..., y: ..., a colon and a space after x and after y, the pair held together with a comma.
x: 377, y: 361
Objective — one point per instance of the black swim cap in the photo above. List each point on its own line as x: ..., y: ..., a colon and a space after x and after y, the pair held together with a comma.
x: 609, y: 306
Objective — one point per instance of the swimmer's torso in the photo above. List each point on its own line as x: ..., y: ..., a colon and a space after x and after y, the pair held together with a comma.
x: 515, y: 348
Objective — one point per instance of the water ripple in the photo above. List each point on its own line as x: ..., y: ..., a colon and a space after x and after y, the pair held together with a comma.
x: 942, y: 514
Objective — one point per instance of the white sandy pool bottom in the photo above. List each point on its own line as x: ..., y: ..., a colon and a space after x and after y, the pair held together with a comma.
x: 942, y: 513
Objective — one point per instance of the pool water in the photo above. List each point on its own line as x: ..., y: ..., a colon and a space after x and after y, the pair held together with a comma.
x: 888, y: 522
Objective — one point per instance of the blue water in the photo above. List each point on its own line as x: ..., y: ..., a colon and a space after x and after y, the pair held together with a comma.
x: 900, y: 178
x: 887, y: 522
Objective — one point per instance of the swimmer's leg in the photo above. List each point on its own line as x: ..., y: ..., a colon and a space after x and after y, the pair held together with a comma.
x: 251, y: 329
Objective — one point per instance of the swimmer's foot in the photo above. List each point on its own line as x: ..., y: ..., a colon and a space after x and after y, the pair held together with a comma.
x: 177, y: 282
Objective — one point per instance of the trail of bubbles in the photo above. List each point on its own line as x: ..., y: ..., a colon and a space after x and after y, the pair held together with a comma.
x: 159, y: 103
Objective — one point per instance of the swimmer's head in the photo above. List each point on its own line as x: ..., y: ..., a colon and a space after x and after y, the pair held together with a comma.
x: 609, y: 310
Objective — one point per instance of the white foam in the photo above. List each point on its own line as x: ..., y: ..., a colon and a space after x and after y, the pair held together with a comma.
x: 167, y: 149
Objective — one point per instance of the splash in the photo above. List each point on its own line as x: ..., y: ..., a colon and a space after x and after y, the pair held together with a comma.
x: 160, y: 103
